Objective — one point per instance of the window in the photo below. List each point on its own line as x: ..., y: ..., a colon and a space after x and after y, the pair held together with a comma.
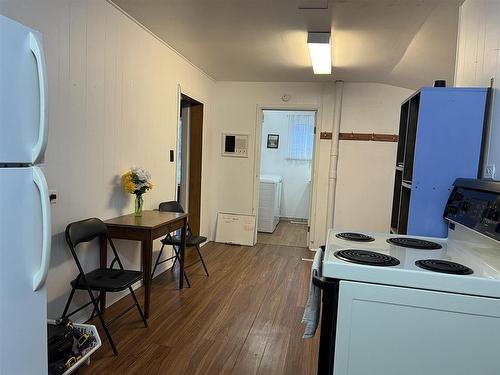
x: 300, y: 137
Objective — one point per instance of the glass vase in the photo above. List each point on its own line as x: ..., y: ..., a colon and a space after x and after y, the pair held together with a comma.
x: 138, y: 205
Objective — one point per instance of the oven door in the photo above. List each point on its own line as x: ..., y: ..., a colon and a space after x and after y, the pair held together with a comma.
x: 386, y: 330
x: 329, y: 305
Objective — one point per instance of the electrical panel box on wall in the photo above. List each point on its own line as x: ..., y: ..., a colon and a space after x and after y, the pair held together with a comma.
x: 235, y: 145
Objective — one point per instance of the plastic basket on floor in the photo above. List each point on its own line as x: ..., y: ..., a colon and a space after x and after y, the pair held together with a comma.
x: 91, y: 330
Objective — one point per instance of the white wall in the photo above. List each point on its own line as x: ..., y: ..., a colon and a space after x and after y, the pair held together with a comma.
x: 296, y: 173
x: 237, y: 108
x: 365, y: 169
x: 113, y: 104
x: 478, y: 60
x: 366, y: 107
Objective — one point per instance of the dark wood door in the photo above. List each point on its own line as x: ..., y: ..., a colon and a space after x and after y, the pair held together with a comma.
x: 195, y: 165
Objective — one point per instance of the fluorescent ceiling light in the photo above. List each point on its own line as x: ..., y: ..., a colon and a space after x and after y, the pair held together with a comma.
x: 320, y: 50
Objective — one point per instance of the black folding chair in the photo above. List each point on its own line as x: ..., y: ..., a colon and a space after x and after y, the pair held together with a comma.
x: 175, y: 241
x: 101, y: 279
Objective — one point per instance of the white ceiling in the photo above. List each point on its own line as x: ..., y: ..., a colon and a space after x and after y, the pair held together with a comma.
x: 407, y: 43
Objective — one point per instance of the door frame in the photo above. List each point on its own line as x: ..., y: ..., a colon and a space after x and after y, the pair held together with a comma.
x: 182, y: 91
x: 311, y: 221
x: 185, y: 158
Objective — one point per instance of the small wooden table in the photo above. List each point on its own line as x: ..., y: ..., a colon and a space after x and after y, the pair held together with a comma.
x: 151, y: 225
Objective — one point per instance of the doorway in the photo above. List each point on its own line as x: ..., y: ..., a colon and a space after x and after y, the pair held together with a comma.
x: 189, y: 159
x: 285, y: 186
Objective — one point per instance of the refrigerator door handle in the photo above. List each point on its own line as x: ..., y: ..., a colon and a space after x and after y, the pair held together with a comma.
x: 41, y: 143
x: 41, y: 184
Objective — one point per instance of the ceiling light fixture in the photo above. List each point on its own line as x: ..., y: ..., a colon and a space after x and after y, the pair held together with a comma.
x: 320, y: 50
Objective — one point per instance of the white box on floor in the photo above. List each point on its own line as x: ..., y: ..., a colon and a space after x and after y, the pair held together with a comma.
x: 238, y: 229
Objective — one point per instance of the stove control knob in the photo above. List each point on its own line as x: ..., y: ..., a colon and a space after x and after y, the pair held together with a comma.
x: 452, y: 209
x: 458, y: 196
x: 465, y: 206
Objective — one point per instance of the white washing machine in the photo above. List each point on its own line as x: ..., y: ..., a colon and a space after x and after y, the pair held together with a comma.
x: 269, y: 202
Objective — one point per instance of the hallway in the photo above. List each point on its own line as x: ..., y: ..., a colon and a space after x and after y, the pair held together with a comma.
x: 287, y: 233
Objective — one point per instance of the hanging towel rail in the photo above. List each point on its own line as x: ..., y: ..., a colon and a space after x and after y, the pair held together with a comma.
x: 376, y: 137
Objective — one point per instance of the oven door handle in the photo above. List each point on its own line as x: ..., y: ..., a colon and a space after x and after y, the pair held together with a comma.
x: 321, y: 282
x: 318, y: 281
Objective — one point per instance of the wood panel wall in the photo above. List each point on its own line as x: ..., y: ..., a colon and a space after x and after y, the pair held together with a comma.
x: 113, y: 91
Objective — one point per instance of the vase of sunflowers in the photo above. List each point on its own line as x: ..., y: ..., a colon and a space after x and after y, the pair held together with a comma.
x: 137, y: 181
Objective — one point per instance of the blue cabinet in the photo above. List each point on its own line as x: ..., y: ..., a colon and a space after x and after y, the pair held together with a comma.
x: 440, y: 139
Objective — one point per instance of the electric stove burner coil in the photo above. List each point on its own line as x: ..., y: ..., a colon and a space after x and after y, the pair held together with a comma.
x: 366, y: 257
x: 443, y: 266
x: 414, y: 243
x: 351, y: 236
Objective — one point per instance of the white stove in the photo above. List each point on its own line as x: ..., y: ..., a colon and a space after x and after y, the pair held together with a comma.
x: 470, y: 249
x: 430, y: 308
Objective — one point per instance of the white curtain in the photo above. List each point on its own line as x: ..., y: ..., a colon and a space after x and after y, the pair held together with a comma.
x: 300, y: 136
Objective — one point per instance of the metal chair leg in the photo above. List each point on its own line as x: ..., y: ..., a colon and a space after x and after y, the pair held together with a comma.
x: 201, y: 258
x: 187, y: 280
x: 173, y: 265
x: 68, y: 302
x: 138, y: 307
x: 176, y: 257
x: 157, y: 259
x: 92, y: 315
x: 93, y: 312
x: 103, y: 323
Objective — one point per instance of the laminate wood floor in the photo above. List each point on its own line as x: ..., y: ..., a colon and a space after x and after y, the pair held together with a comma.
x: 242, y: 319
x: 286, y: 233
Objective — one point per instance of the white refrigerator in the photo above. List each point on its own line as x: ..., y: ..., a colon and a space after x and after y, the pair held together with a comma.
x: 25, y: 221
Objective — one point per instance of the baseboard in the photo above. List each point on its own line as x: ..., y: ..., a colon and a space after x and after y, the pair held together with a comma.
x: 294, y: 220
